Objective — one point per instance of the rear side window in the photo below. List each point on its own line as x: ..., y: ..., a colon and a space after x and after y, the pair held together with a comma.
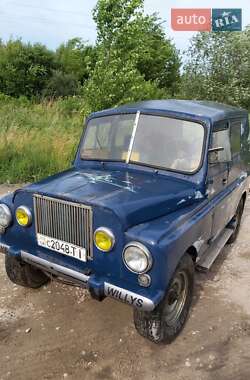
x: 221, y: 139
x: 235, y: 136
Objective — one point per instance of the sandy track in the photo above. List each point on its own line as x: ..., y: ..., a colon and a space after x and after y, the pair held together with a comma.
x: 58, y: 332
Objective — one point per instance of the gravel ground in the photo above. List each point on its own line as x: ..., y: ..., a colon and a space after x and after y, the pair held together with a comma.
x: 59, y: 332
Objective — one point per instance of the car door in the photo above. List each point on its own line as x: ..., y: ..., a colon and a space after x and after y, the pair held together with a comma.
x: 218, y: 177
x: 235, y: 169
x: 236, y: 126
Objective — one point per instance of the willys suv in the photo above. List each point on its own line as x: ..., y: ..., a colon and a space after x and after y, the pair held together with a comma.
x: 156, y: 189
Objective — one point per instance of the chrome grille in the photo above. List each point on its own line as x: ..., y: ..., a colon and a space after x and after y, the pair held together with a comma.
x: 67, y: 221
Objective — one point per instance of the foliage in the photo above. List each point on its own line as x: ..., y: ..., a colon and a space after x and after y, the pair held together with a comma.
x: 122, y: 26
x: 77, y: 59
x: 61, y: 85
x: 34, y: 71
x: 119, y: 82
x: 132, y: 60
x: 129, y: 43
x: 218, y: 68
x: 158, y: 59
x: 117, y: 21
x: 37, y: 139
x: 135, y: 59
x: 24, y: 68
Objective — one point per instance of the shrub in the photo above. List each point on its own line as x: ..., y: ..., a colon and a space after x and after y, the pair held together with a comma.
x: 218, y: 68
x: 61, y: 85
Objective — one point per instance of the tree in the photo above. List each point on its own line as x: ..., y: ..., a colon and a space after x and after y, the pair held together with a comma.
x: 158, y: 59
x: 76, y: 58
x: 218, y: 68
x: 118, y: 82
x: 24, y: 68
x: 135, y: 59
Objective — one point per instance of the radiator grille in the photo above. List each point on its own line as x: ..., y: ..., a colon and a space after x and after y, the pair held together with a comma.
x: 63, y: 220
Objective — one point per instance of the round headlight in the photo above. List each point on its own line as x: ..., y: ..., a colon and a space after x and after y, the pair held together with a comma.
x: 104, y: 239
x: 23, y: 216
x: 5, y: 216
x: 137, y: 257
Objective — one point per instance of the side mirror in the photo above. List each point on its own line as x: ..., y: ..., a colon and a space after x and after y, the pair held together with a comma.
x: 213, y: 154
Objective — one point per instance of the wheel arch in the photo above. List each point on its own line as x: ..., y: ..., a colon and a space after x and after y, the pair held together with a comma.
x: 244, y: 197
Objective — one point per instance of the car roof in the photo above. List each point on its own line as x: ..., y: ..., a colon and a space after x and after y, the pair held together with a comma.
x: 199, y: 110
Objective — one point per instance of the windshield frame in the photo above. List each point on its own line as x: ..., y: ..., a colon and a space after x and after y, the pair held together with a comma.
x: 150, y: 113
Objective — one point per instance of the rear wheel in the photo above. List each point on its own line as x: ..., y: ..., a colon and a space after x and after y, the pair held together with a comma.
x: 166, y: 321
x: 24, y: 274
x: 236, y: 222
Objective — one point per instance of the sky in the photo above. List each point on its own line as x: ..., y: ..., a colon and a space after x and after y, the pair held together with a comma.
x: 52, y: 22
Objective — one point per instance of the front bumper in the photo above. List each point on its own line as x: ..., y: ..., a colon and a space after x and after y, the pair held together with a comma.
x: 98, y: 288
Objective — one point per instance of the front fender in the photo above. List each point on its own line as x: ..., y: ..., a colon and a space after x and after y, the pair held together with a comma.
x: 169, y: 237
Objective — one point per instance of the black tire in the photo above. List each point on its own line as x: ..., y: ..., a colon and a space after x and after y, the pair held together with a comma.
x: 157, y: 325
x: 236, y: 222
x: 24, y: 274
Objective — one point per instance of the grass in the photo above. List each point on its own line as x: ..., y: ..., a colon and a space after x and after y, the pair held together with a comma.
x: 37, y: 140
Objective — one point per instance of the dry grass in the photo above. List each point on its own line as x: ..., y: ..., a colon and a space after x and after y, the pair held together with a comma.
x: 37, y: 140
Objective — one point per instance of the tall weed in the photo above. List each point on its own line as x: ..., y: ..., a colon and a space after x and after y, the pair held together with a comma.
x: 37, y: 140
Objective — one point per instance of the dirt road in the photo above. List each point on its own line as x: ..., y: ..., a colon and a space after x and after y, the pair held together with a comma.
x: 58, y: 332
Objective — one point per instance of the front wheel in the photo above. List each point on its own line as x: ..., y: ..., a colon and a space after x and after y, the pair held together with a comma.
x: 165, y: 322
x: 23, y: 274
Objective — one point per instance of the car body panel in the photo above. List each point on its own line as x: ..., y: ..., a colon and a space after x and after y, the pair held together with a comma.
x: 132, y: 197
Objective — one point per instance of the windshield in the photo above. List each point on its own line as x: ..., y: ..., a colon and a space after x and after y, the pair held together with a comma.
x: 108, y: 138
x: 149, y: 140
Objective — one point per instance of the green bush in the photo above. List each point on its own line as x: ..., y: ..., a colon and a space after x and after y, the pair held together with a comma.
x: 217, y: 68
x: 24, y: 68
x: 61, y: 85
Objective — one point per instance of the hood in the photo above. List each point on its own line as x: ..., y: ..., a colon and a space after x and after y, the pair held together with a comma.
x: 135, y: 197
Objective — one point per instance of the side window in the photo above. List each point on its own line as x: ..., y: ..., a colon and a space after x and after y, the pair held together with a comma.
x: 221, y: 139
x: 235, y: 136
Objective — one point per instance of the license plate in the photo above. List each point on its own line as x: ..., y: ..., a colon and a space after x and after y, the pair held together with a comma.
x: 62, y: 247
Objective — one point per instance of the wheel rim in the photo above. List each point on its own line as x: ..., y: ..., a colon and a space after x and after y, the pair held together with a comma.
x: 176, y: 298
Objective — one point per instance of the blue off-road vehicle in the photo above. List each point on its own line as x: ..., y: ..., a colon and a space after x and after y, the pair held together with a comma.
x: 156, y: 189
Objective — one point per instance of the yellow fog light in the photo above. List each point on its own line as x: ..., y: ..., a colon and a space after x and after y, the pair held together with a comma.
x: 23, y: 216
x: 104, y: 239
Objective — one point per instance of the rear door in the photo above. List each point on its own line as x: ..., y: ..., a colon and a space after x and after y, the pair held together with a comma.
x: 235, y: 138
x: 236, y: 168
x: 218, y: 178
